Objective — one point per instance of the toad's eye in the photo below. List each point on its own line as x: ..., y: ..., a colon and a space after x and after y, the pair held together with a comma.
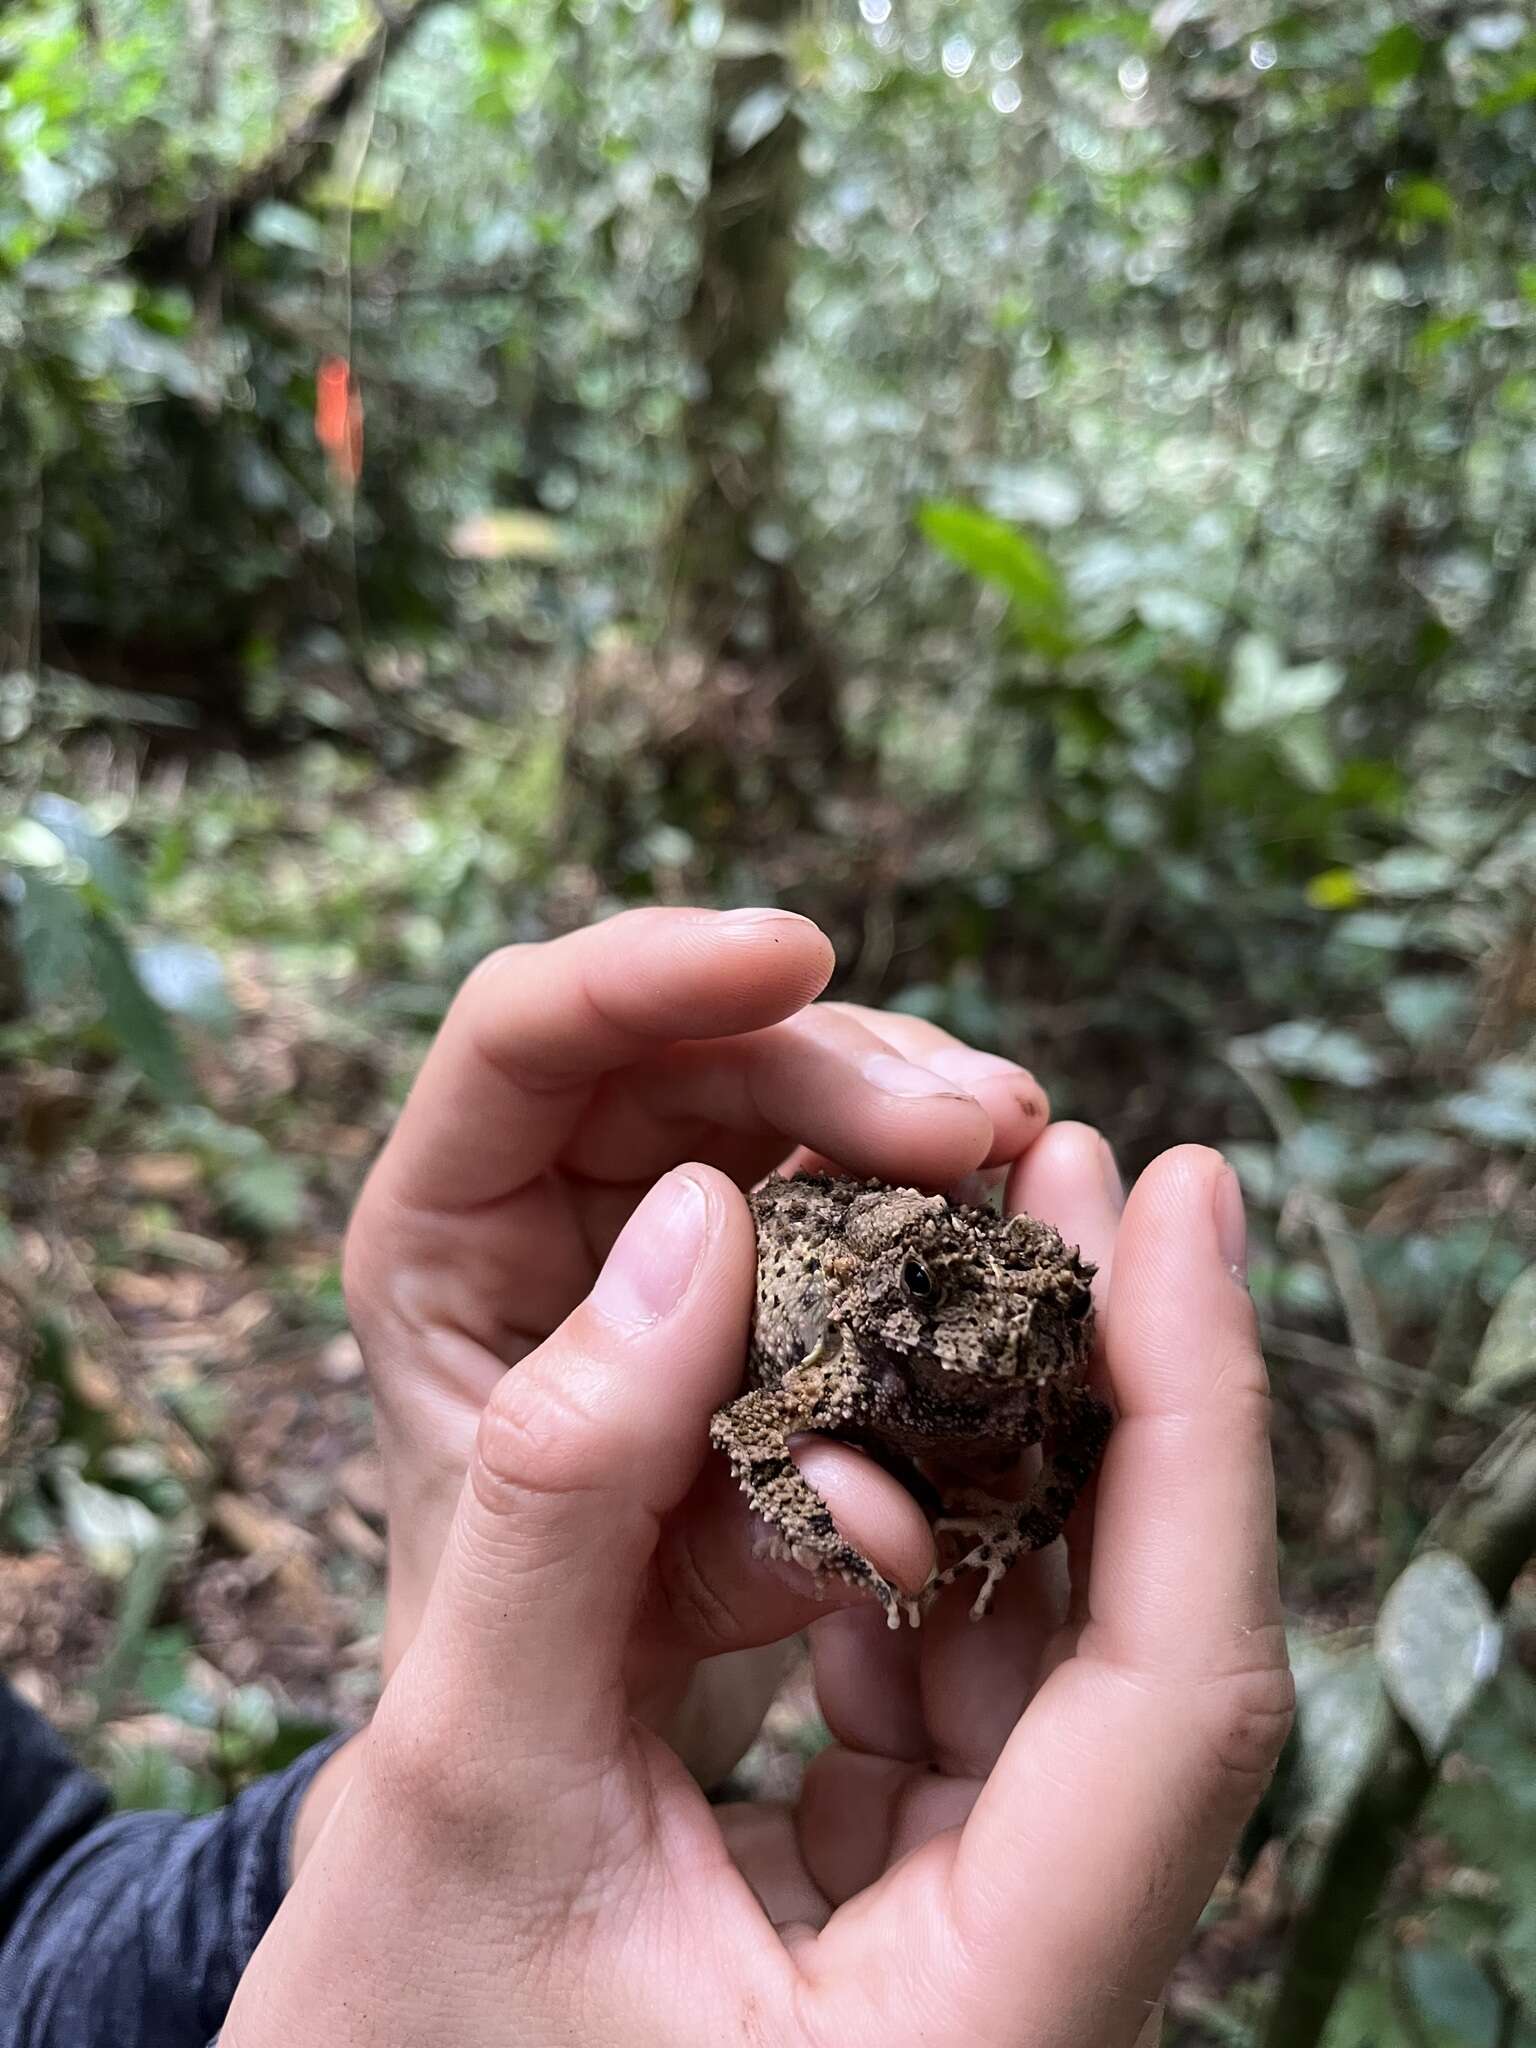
x: 918, y: 1281
x: 1079, y: 1305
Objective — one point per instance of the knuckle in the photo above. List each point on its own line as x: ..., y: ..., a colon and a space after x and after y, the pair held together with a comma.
x: 501, y: 961
x: 533, y: 1437
x: 1247, y: 1714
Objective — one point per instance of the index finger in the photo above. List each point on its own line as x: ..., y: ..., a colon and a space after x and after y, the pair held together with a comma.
x: 535, y: 1027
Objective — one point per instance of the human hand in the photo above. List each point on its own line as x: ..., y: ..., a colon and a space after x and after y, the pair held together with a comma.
x: 566, y: 1078
x: 1022, y: 1817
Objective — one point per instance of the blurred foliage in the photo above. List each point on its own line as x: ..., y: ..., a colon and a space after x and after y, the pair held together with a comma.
x: 1134, y: 441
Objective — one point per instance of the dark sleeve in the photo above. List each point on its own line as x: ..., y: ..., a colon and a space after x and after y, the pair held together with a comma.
x: 127, y: 1930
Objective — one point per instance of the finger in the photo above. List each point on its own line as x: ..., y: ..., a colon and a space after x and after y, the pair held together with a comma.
x: 581, y: 1450
x: 1069, y: 1178
x: 1148, y: 1749
x: 1184, y: 1559
x: 535, y: 1026
x: 822, y: 1078
x: 867, y: 1684
x: 1007, y: 1090
x: 859, y: 1814
x: 716, y: 1586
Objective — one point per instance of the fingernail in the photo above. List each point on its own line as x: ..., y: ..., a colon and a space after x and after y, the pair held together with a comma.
x: 895, y: 1077
x: 654, y: 1256
x: 766, y: 914
x: 1231, y: 1225
x: 1114, y: 1187
x: 960, y: 1063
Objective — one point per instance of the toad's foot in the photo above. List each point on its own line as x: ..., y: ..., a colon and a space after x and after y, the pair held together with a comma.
x: 1002, y: 1542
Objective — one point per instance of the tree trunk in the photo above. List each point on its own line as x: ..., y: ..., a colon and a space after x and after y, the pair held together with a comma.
x: 738, y: 597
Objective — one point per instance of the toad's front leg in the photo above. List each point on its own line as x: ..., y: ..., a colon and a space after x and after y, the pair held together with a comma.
x: 754, y: 1433
x: 1008, y: 1530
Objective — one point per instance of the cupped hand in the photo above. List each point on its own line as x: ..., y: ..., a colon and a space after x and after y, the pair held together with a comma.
x: 1020, y: 1819
x: 567, y: 1077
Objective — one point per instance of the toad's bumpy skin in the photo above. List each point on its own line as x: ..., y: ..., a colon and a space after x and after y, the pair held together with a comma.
x: 930, y: 1335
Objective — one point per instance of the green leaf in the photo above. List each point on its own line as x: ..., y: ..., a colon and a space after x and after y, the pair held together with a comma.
x: 187, y: 981
x: 1304, y: 746
x: 53, y: 938
x: 1421, y: 199
x: 1444, y: 331
x: 994, y: 551
x: 1397, y: 57
x: 276, y: 225
x: 146, y: 1778
x: 101, y: 856
x: 264, y: 1197
x: 112, y: 1529
x: 756, y: 117
x: 1505, y: 1365
x: 1425, y: 1007
x: 1452, y: 1993
x: 1303, y: 1045
x: 1334, y: 889
x: 1500, y: 1110
x: 132, y: 1016
x: 1340, y: 1706
x: 1438, y: 1643
x: 1521, y: 87
x: 1263, y: 691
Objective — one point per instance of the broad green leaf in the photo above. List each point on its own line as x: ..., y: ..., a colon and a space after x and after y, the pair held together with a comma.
x: 276, y: 225
x: 1500, y: 1109
x: 112, y: 1529
x: 144, y: 1778
x: 1422, y: 199
x: 1339, y: 1709
x: 756, y: 117
x: 1264, y: 691
x: 46, y: 186
x: 1304, y: 746
x: 1397, y: 57
x: 1445, y: 330
x: 1453, y: 1993
x: 263, y: 1197
x: 186, y: 980
x: 1438, y: 1643
x: 28, y: 843
x: 1425, y: 1007
x: 1304, y: 1045
x: 993, y: 550
x: 1520, y: 89
x: 1505, y: 1365
x: 135, y: 1020
x: 1334, y: 889
x: 53, y: 937
x: 101, y: 855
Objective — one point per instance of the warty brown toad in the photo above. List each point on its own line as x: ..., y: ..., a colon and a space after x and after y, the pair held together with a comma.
x: 941, y: 1339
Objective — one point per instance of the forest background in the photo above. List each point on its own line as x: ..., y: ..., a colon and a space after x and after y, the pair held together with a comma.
x: 1046, y: 490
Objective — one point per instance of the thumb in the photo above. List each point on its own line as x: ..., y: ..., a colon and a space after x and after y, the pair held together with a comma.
x: 581, y: 1449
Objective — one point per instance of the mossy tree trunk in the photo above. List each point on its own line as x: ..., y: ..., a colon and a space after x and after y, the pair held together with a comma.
x: 737, y: 594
